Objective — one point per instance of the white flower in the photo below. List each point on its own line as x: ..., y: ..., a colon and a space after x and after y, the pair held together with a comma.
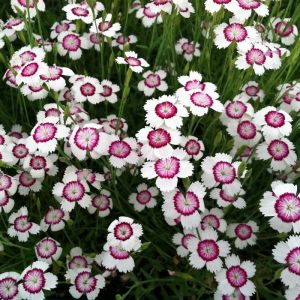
x: 27, y: 6
x: 181, y: 241
x: 39, y: 164
x: 187, y: 49
x: 283, y: 206
x: 131, y: 59
x: 72, y: 44
x: 84, y: 283
x: 48, y: 250
x: 224, y: 200
x: 158, y: 6
x: 21, y: 227
x: 186, y: 207
x: 101, y: 203
x: 72, y: 191
x: 124, y: 233
x: 207, y: 251
x: 44, y: 135
x: 9, y: 286
x: 275, y: 123
x: 148, y: 16
x: 105, y: 27
x: 78, y: 12
x: 244, y: 234
x: 144, y: 197
x: 193, y: 147
x: 168, y: 170
x: 114, y: 257
x: 293, y: 293
x: 27, y: 183
x: 156, y: 143
x: 120, y: 40
x: 281, y: 151
x: 283, y: 30
x: 165, y: 111
x: 59, y: 27
x: 242, y: 9
x: 236, y: 277
x: 220, y: 170
x: 288, y: 253
x: 213, y: 218
x: 35, y: 279
x: 109, y: 91
x: 31, y: 72
x: 252, y: 90
x: 235, y: 32
x: 54, y: 219
x: 26, y: 55
x: 153, y: 81
x: 76, y: 260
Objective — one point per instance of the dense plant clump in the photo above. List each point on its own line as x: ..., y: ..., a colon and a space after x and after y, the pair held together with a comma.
x: 149, y: 149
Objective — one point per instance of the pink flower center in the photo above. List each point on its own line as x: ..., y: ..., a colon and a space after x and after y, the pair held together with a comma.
x: 166, y: 110
x: 88, y: 89
x: 54, y: 216
x: 201, y: 99
x: 52, y: 112
x: 192, y: 147
x: 118, y: 253
x: 122, y: 39
x: 167, y: 168
x: 278, y: 150
x: 123, y: 231
x: 73, y: 191
x: 86, y: 138
x: 208, y: 250
x: 235, y: 32
x: 104, y: 26
x: 46, y: 248
x: 188, y: 48
x: 71, y: 42
x: 210, y: 221
x: 101, y: 202
x: 30, y: 69
x: 158, y: 138
x: 80, y: 11
x: 236, y: 276
x: 243, y: 231
x: 62, y: 27
x: 255, y: 56
x: 185, y: 239
x: 133, y: 61
x: 26, y: 179
x: 252, y: 90
x: 38, y: 162
x: 15, y: 22
x: 227, y: 197
x: 236, y: 109
x: 78, y: 262
x: 246, y: 130
x: 194, y: 85
x: 44, y: 132
x: 20, y: 151
x: 119, y: 149
x: 85, y: 283
x: 107, y: 91
x: 187, y: 205
x: 4, y: 200
x: 224, y: 172
x: 148, y: 13
x: 222, y: 1
x: 293, y: 261
x: 249, y: 4
x: 287, y: 208
x: 5, y: 182
x: 24, y: 3
x: 275, y: 119
x: 8, y: 288
x: 152, y: 81
x: 21, y: 224
x: 143, y: 197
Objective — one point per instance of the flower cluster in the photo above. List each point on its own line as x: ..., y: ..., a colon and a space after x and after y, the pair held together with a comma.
x: 85, y: 159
